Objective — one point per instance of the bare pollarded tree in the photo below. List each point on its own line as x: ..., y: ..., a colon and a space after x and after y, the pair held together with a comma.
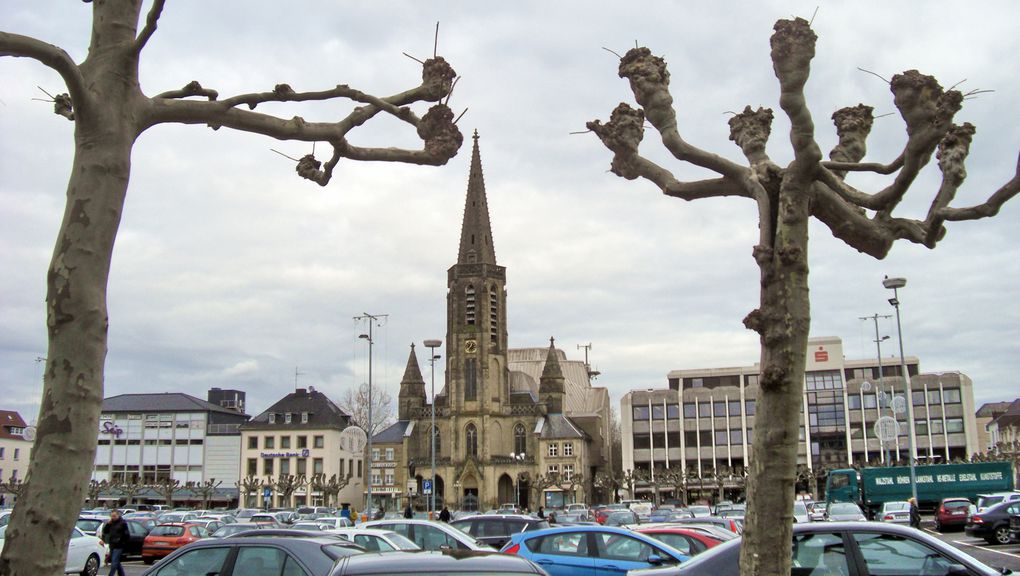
x: 787, y: 197
x: 110, y: 111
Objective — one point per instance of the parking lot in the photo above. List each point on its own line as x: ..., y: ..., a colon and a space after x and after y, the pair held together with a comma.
x: 1006, y: 556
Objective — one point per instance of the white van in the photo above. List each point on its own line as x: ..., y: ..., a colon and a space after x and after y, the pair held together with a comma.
x: 986, y: 501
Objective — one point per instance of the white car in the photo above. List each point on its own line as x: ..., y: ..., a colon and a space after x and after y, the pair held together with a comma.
x: 428, y: 535
x: 375, y: 540
x: 84, y: 553
x: 334, y: 522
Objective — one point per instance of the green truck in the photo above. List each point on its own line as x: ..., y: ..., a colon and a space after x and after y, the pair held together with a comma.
x: 871, y: 487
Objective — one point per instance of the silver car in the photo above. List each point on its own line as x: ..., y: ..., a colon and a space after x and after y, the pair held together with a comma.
x: 895, y: 512
x: 844, y: 512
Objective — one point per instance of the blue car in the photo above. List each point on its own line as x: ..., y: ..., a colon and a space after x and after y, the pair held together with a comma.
x: 591, y: 550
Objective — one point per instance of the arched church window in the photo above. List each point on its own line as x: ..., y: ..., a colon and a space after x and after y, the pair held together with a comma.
x: 469, y: 305
x: 471, y: 434
x: 520, y: 440
x: 493, y: 315
x: 470, y: 379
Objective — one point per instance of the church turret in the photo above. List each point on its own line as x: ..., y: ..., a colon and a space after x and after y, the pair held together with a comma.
x: 550, y: 387
x: 412, y: 389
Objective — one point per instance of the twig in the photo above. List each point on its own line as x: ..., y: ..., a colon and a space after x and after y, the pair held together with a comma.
x: 585, y: 132
x: 452, y: 86
x: 812, y: 21
x: 52, y: 98
x: 975, y: 92
x: 612, y: 52
x: 884, y: 115
x: 957, y: 84
x: 873, y: 74
x: 42, y: 100
x: 284, y: 155
x: 461, y: 115
x: 413, y: 58
x: 435, y: 45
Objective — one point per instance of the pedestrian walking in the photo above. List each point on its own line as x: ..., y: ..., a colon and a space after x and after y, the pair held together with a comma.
x: 444, y: 516
x: 541, y: 513
x: 115, y: 535
x: 915, y: 514
x: 408, y: 512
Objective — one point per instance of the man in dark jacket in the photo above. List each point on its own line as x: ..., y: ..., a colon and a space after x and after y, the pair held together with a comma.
x: 444, y: 516
x: 115, y: 535
x: 408, y: 512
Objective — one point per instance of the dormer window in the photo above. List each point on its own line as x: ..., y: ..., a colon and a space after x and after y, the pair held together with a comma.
x: 272, y: 418
x: 304, y: 417
x: 286, y: 418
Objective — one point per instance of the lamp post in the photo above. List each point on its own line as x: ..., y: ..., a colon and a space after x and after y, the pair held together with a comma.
x: 371, y: 320
x: 432, y: 345
x: 883, y: 450
x: 517, y: 458
x: 895, y: 284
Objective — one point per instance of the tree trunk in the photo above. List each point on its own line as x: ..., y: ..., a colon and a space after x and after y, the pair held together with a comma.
x: 783, y: 321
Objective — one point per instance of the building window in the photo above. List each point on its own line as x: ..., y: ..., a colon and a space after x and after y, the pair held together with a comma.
x: 284, y: 466
x: 470, y: 379
x: 568, y: 448
x: 951, y: 396
x: 641, y: 413
x: 318, y: 441
x: 2, y: 450
x: 736, y: 437
x: 438, y: 439
x: 554, y: 449
x: 375, y: 454
x: 568, y: 471
x: 376, y: 478
x: 287, y: 418
x: 17, y: 453
x: 704, y: 410
x: 302, y: 466
x: 954, y: 425
x: 721, y: 438
x: 749, y: 407
x: 302, y: 441
x: 253, y: 442
x: 267, y: 466
x: 304, y: 417
x: 469, y: 305
x: 644, y: 442
x: 823, y: 380
x: 253, y: 467
x: 360, y: 473
x: 672, y: 411
x: 734, y: 407
x: 317, y: 466
x: 390, y: 480
x: 719, y: 409
x: 690, y: 410
x: 471, y: 433
x: 272, y: 418
x: 520, y: 439
x: 341, y: 467
x: 285, y: 442
x: 389, y: 454
x: 493, y: 315
x: 269, y: 442
x: 554, y: 469
x: 934, y: 397
x: 658, y: 412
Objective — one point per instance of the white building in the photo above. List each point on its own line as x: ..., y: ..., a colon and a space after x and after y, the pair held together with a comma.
x: 15, y: 450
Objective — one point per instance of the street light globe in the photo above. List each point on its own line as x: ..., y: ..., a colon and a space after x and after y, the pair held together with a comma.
x: 892, y: 283
x: 433, y: 343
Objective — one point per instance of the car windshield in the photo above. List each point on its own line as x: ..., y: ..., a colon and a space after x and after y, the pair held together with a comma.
x: 989, y: 501
x: 896, y: 506
x: 245, y: 513
x: 228, y: 530
x: 843, y: 508
x: 953, y: 504
x: 167, y: 531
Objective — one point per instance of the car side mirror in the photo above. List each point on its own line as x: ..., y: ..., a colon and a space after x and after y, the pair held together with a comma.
x: 654, y: 559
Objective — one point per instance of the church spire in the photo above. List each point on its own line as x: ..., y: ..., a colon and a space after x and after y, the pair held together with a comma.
x: 476, y: 232
x: 550, y: 387
x: 412, y: 389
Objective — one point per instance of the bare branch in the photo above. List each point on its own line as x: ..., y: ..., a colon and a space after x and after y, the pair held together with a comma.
x: 793, y: 47
x: 865, y: 166
x: 192, y: 88
x: 613, y: 52
x: 990, y: 207
x: 52, y: 56
x: 873, y: 74
x: 151, y: 19
x: 412, y: 58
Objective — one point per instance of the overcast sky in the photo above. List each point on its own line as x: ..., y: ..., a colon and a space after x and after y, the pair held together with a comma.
x: 231, y: 271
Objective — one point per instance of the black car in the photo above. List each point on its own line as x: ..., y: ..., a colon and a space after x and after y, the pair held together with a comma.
x: 1014, y: 526
x: 451, y: 562
x: 495, y: 529
x: 847, y: 548
x: 254, y: 556
x: 993, y: 523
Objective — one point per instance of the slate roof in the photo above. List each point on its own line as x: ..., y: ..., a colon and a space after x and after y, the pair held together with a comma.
x: 10, y: 419
x: 1010, y: 417
x: 992, y: 409
x: 161, y: 402
x: 395, y: 433
x: 322, y: 413
x: 559, y: 426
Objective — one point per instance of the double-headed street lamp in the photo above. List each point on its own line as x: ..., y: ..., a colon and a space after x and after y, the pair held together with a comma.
x: 371, y: 320
x: 518, y: 459
x: 895, y: 284
x: 433, y: 357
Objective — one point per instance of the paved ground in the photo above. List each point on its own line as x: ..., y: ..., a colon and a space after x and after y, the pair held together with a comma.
x: 1006, y: 556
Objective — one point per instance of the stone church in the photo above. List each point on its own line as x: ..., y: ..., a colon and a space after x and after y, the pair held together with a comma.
x: 522, y: 426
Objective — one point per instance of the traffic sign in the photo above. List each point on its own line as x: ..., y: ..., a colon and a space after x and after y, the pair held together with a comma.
x: 887, y: 428
x: 426, y: 486
x: 267, y: 493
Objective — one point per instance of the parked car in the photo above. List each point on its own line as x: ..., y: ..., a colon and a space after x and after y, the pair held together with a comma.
x: 586, y: 550
x: 700, y: 511
x: 165, y: 538
x: 84, y: 553
x: 993, y: 523
x: 895, y: 512
x: 211, y: 524
x: 264, y: 518
x: 429, y: 535
x: 237, y: 527
x: 245, y: 514
x: 725, y: 523
x: 800, y: 511
x: 495, y: 529
x: 374, y: 540
x: 256, y: 556
x: 177, y: 517
x: 952, y: 512
x: 687, y: 541
x: 817, y: 512
x: 334, y: 522
x: 1014, y: 526
x: 844, y: 512
x: 452, y: 563
x: 90, y: 524
x: 986, y: 501
x: 620, y: 518
x: 840, y: 547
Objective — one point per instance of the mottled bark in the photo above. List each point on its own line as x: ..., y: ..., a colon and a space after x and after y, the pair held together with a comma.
x: 786, y: 198
x: 110, y: 111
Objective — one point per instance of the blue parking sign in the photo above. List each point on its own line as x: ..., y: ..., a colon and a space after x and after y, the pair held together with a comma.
x: 426, y: 486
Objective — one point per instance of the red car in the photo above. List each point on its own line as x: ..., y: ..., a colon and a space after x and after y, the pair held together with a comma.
x: 689, y: 542
x: 165, y: 538
x: 952, y: 512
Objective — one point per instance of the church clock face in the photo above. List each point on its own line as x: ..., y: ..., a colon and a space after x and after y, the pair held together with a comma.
x: 470, y: 346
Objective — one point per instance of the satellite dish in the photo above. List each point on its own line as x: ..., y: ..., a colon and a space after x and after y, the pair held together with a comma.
x: 866, y: 386
x: 28, y: 433
x: 899, y: 405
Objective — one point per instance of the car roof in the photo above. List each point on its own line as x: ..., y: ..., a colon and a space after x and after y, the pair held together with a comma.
x: 453, y: 561
x: 521, y: 517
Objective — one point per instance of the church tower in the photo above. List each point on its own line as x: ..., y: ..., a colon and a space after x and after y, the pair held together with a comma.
x: 550, y: 387
x: 412, y: 397
x: 476, y: 336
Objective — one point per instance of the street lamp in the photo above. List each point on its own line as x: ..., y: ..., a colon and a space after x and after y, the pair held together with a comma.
x: 895, y: 284
x: 368, y: 504
x: 432, y: 345
x: 518, y: 459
